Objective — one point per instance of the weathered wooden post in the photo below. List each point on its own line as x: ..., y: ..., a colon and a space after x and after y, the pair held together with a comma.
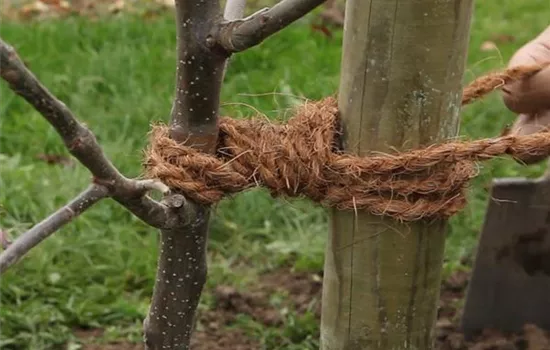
x: 402, y: 69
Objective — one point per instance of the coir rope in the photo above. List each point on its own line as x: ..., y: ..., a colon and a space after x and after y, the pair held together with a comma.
x: 300, y: 158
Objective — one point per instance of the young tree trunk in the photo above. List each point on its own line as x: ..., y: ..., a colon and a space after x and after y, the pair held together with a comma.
x: 205, y: 41
x: 182, y: 268
x: 402, y: 68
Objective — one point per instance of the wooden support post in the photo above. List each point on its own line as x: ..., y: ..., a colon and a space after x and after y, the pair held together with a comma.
x: 401, y: 86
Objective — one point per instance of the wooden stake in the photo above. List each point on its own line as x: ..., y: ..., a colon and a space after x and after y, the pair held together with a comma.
x: 402, y: 69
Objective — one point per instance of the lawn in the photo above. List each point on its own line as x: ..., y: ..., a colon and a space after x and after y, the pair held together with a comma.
x: 117, y: 75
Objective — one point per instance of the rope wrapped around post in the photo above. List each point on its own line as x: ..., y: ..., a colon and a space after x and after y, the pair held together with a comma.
x: 302, y: 158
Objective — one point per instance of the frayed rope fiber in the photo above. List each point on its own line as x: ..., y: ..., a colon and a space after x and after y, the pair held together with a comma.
x: 301, y: 158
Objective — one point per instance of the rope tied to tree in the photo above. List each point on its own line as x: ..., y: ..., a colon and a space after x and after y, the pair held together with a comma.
x: 302, y: 157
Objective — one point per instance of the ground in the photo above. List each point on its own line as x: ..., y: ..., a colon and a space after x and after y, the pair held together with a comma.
x: 91, y: 282
x: 301, y: 293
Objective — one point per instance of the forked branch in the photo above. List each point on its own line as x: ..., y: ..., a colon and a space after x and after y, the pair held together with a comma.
x: 81, y: 142
x: 46, y: 227
x: 239, y: 35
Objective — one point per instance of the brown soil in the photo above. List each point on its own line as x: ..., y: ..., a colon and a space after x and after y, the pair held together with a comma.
x: 303, y: 292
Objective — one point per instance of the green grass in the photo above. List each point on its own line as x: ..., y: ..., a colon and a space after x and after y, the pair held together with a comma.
x: 117, y: 75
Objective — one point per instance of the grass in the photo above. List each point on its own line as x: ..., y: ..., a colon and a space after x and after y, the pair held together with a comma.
x: 117, y: 75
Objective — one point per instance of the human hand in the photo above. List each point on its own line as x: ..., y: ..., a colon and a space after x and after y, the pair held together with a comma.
x: 531, y: 98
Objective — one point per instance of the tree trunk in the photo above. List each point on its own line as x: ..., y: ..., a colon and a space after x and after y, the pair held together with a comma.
x: 182, y: 267
x: 205, y: 42
x: 402, y: 68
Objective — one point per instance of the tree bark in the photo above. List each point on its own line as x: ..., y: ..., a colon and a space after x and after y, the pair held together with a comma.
x: 182, y: 267
x: 402, y: 67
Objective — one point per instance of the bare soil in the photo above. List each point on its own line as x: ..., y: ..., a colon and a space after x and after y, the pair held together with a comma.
x: 303, y: 291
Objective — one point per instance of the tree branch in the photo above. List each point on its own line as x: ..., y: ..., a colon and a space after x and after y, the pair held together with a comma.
x: 46, y: 227
x: 234, y: 9
x: 81, y: 142
x: 239, y: 35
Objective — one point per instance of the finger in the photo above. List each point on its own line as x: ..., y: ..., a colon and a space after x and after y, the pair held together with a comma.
x: 527, y: 124
x: 533, y: 94
x: 530, y: 95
